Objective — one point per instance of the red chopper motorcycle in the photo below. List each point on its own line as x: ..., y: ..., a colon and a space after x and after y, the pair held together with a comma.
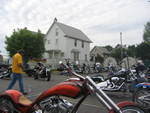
x: 13, y: 101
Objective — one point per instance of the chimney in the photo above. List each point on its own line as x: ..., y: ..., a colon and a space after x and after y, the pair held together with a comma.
x: 55, y: 19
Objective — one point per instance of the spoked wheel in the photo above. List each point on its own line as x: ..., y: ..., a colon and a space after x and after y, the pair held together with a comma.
x: 142, y: 98
x: 48, y: 77
x: 6, y: 106
x: 133, y: 109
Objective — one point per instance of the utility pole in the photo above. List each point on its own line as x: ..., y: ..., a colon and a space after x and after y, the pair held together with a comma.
x: 121, y: 44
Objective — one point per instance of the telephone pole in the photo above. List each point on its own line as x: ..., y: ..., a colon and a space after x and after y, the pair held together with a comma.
x: 121, y: 44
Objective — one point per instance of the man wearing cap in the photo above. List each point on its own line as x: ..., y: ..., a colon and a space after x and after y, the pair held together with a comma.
x: 17, y: 71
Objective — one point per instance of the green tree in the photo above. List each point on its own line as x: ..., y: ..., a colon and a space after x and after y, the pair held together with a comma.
x: 146, y: 35
x: 31, y: 42
x: 117, y: 53
x: 131, y: 50
x: 99, y: 58
x: 108, y: 47
x: 143, y: 51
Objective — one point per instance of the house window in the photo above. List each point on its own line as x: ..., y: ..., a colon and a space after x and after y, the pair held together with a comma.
x: 76, y: 56
x: 92, y: 58
x: 75, y: 42
x: 48, y: 41
x: 62, y: 54
x: 82, y: 44
x: 56, y: 41
x: 85, y: 57
x: 57, y: 32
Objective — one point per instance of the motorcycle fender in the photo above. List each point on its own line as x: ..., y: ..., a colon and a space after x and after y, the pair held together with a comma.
x: 69, y: 89
x: 14, y: 95
x: 123, y: 104
x: 144, y: 85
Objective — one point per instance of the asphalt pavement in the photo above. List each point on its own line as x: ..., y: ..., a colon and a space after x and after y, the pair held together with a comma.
x: 90, y: 105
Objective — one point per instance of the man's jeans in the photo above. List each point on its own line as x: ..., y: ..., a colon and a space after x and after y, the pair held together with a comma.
x: 135, y: 82
x: 17, y: 76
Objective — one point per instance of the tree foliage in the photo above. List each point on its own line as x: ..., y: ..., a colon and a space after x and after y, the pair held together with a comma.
x: 31, y: 42
x: 108, y: 47
x: 146, y: 35
x: 131, y: 50
x: 99, y: 58
x: 143, y: 51
x: 117, y: 53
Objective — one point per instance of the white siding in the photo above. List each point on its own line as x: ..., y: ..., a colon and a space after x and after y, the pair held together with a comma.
x: 64, y: 45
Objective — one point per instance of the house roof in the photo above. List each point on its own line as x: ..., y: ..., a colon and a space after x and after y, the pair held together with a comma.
x: 118, y: 46
x: 102, y: 49
x: 71, y: 32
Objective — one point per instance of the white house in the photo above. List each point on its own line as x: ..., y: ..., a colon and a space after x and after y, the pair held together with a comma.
x: 63, y: 41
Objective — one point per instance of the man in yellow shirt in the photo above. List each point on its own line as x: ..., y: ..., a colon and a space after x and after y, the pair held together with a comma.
x: 17, y: 71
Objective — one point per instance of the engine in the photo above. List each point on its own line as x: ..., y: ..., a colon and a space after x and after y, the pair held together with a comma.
x: 117, y: 81
x: 56, y: 105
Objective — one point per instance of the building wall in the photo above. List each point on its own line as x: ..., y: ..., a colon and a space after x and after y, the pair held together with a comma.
x: 65, y: 45
x: 96, y: 51
x: 83, y: 51
x: 52, y: 38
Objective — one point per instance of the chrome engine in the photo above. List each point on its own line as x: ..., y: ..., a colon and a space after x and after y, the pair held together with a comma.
x: 56, y: 105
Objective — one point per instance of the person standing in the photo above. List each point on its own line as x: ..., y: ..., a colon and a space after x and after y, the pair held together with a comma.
x: 77, y: 64
x: 17, y: 71
x: 140, y: 66
x: 68, y: 64
x: 98, y: 66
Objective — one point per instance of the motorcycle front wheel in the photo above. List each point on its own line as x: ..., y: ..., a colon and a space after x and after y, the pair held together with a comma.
x: 6, y: 106
x: 48, y: 77
x: 142, y: 97
x: 133, y: 109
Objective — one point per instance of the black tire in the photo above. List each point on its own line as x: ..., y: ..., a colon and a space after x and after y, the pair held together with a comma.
x: 35, y: 76
x: 48, y: 77
x: 133, y: 109
x: 142, y: 97
x: 29, y: 75
x: 6, y: 106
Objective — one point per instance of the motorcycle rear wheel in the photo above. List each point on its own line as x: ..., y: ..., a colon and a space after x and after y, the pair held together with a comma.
x: 133, y: 109
x: 142, y: 97
x: 48, y: 77
x: 6, y: 106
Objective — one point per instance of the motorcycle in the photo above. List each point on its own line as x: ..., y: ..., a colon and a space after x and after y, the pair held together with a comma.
x: 82, y: 69
x: 50, y: 101
x: 6, y: 73
x: 117, y: 81
x: 142, y: 95
x: 97, y: 68
x: 114, y: 81
x: 30, y: 71
x: 43, y: 72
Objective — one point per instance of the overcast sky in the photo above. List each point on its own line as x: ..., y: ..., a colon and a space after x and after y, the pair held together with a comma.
x: 102, y: 21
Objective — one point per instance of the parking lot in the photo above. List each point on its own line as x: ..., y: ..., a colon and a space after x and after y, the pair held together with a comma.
x: 90, y: 105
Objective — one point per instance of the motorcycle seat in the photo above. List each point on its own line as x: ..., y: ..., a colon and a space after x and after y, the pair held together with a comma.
x: 23, y: 100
